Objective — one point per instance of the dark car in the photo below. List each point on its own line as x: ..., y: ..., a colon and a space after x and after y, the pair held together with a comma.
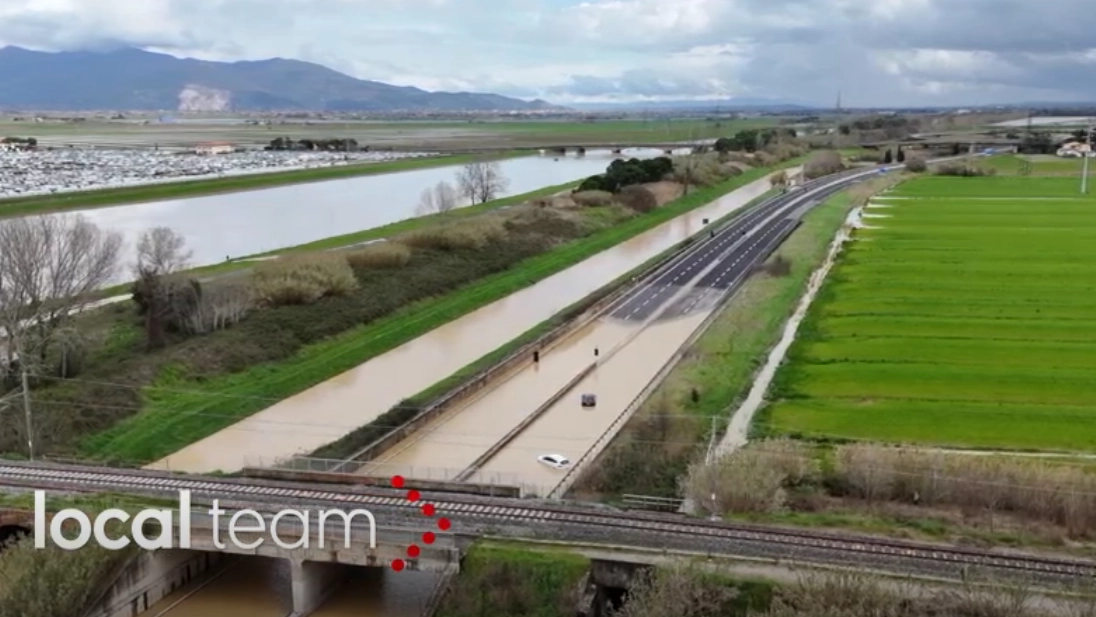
x: 589, y: 400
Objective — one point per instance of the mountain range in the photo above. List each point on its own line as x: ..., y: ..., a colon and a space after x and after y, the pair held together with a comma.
x: 135, y: 79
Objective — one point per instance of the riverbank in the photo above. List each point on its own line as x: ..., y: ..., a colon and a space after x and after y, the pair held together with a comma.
x: 700, y: 392
x: 100, y: 198
x: 163, y: 401
x: 346, y: 241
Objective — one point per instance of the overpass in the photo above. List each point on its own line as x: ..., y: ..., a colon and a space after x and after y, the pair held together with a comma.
x: 480, y: 517
x: 320, y: 545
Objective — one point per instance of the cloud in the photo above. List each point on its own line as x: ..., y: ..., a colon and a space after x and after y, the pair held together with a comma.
x: 882, y: 52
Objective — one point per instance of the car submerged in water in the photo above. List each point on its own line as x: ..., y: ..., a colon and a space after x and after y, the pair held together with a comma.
x: 555, y: 461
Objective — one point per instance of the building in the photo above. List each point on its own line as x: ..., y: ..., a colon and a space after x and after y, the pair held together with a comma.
x: 1074, y: 149
x: 215, y: 147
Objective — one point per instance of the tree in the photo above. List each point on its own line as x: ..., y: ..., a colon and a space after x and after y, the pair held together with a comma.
x: 161, y: 253
x: 481, y: 181
x: 49, y: 267
x: 438, y: 200
x: 779, y: 179
x: 888, y: 158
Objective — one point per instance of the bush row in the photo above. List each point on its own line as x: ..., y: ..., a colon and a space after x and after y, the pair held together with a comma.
x: 757, y: 478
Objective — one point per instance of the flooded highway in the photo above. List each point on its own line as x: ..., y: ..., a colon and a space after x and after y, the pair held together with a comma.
x: 458, y: 437
x: 570, y: 429
x: 331, y: 409
x: 249, y: 222
x: 259, y: 587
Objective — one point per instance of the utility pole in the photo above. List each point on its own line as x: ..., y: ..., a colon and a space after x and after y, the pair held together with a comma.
x: 28, y: 417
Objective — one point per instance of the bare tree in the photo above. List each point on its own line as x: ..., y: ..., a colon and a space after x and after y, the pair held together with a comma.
x: 481, y: 181
x: 162, y: 251
x: 49, y: 267
x: 437, y: 200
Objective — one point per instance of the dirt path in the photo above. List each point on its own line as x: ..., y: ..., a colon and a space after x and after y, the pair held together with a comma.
x: 738, y: 429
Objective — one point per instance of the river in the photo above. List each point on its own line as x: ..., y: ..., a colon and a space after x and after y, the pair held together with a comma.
x: 245, y: 223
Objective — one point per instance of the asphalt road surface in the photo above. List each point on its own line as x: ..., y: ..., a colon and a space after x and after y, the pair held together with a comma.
x: 731, y: 252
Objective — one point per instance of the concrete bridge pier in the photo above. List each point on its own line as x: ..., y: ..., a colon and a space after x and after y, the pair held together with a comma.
x: 313, y: 582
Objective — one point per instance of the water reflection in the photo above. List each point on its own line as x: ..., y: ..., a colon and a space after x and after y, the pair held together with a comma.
x: 245, y: 223
x: 261, y: 587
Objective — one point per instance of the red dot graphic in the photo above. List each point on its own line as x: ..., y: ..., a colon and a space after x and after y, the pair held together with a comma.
x: 428, y: 510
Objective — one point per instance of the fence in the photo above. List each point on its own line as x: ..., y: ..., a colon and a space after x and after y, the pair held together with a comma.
x: 648, y: 502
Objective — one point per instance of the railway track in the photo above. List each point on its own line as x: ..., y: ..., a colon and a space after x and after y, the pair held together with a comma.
x: 474, y: 514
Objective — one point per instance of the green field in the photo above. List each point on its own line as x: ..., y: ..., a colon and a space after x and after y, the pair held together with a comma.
x: 1037, y: 165
x: 964, y: 319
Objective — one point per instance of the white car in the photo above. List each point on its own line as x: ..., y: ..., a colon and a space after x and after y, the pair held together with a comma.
x: 557, y: 461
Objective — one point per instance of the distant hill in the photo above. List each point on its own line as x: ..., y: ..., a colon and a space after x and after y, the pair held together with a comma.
x: 134, y: 79
x: 731, y: 104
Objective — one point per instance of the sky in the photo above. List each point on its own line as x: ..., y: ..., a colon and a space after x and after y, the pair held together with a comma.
x: 874, y: 52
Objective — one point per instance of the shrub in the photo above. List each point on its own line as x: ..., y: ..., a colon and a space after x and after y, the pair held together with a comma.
x: 1043, y: 491
x: 637, y: 198
x: 465, y: 235
x: 699, y: 170
x: 380, y: 255
x: 216, y: 306
x: 302, y: 279
x: 52, y: 582
x: 592, y: 199
x: 784, y: 151
x: 764, y: 159
x: 962, y: 170
x: 823, y: 163
x: 751, y: 479
x: 916, y: 164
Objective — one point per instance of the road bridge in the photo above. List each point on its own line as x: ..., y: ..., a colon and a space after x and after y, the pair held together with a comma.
x: 479, y: 517
x: 320, y: 545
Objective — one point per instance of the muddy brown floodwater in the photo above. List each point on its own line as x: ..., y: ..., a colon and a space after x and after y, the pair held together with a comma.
x: 570, y: 429
x: 458, y: 437
x: 259, y: 587
x: 331, y: 409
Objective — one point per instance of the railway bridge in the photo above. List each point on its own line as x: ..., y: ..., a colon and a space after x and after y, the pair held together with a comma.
x: 469, y: 517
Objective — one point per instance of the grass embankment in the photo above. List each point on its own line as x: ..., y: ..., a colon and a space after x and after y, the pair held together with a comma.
x: 152, y: 404
x: 959, y: 322
x: 99, y: 198
x: 656, y: 446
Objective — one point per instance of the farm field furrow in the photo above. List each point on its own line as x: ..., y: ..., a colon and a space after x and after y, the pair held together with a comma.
x: 1003, y: 353
x: 967, y: 319
x: 979, y: 308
